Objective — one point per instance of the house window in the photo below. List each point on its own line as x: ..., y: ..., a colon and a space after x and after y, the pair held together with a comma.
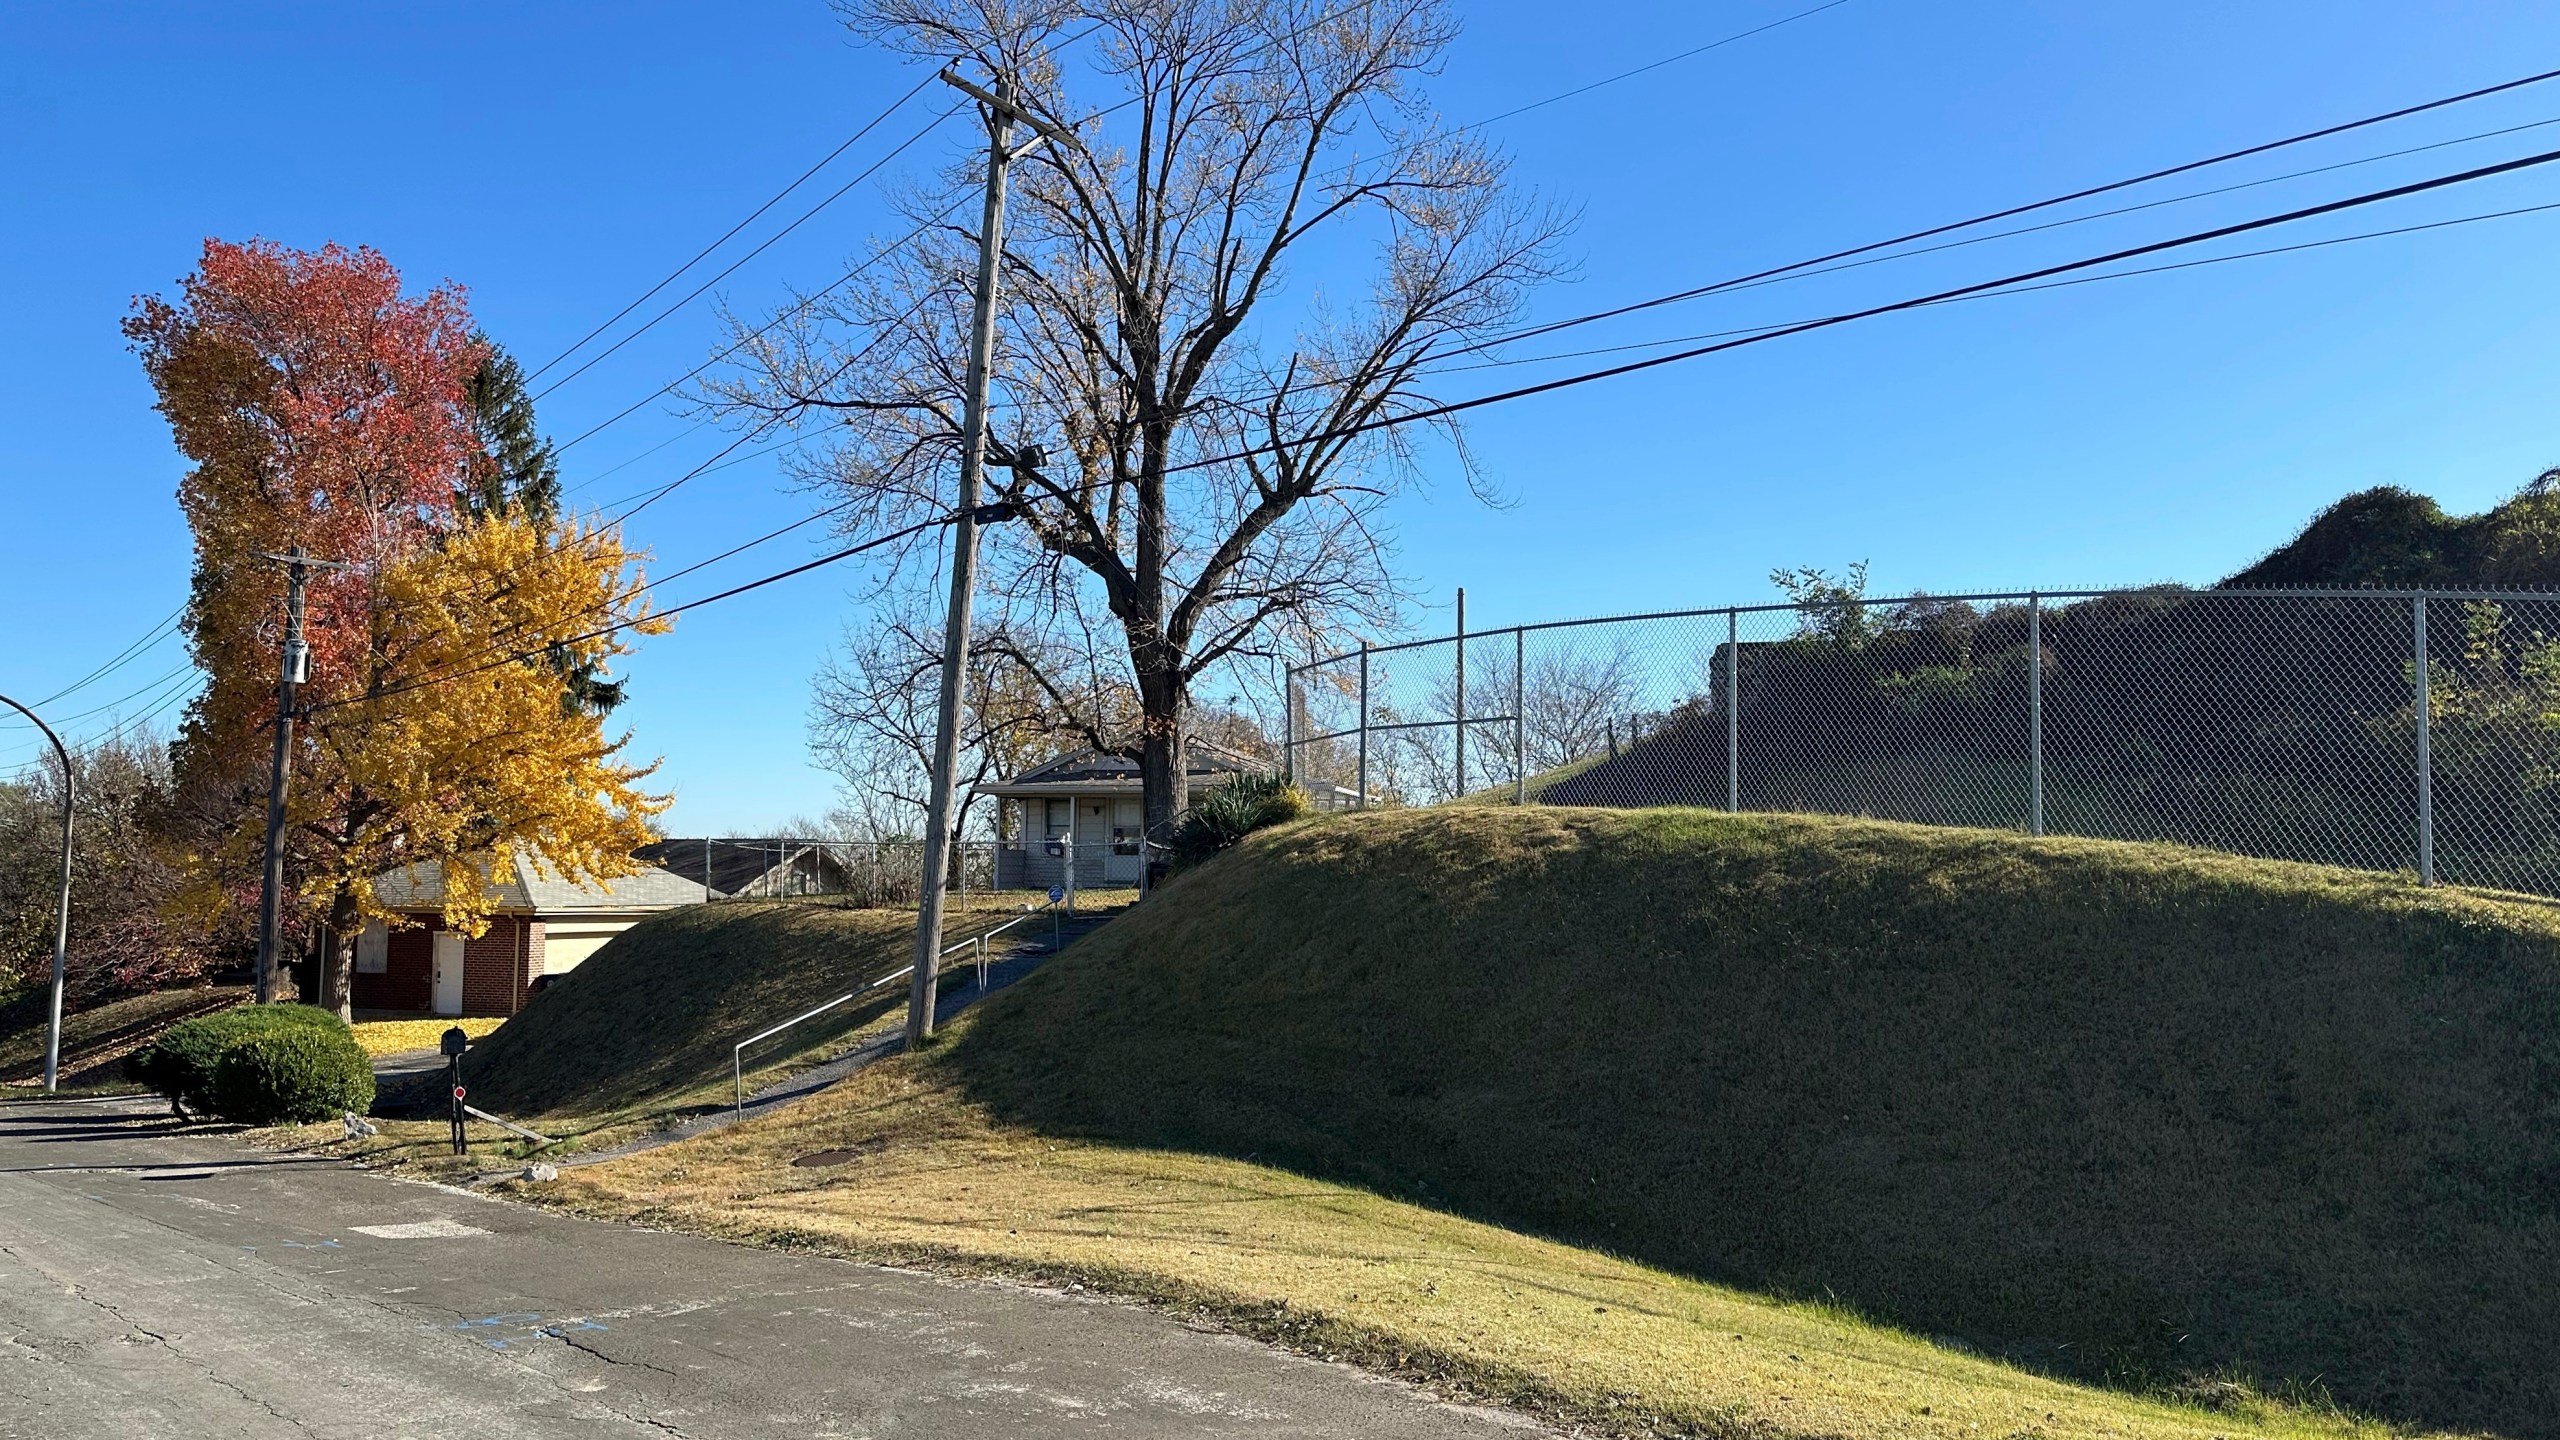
x: 373, y: 949
x: 1061, y: 818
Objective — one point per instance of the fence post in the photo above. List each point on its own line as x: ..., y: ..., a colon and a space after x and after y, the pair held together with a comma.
x: 1364, y: 725
x: 1462, y: 692
x: 2035, y: 714
x: 1288, y: 741
x: 2426, y: 759
x: 1519, y: 721
x: 1733, y: 711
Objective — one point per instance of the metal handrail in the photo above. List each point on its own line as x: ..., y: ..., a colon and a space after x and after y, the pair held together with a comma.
x: 737, y: 1052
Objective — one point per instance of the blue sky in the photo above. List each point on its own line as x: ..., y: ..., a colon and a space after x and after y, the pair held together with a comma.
x: 557, y: 160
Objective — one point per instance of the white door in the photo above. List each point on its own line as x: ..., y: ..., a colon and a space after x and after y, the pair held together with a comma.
x: 1093, y: 841
x: 1127, y: 822
x: 448, y: 973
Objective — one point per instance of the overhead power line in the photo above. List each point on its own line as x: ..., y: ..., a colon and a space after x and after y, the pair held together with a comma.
x: 518, y: 657
x: 2010, y: 284
x: 769, y: 242
x: 151, y: 638
x: 2012, y: 211
x: 732, y: 232
x: 2219, y: 232
x: 2321, y: 244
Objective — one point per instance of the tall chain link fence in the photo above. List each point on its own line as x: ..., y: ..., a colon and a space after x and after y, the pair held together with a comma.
x: 862, y: 873
x: 2400, y: 731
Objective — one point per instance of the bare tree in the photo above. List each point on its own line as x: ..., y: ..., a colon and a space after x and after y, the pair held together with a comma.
x: 871, y: 722
x: 1211, y: 493
x: 1572, y: 702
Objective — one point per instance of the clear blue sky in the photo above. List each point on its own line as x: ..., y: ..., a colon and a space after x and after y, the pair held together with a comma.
x: 557, y: 160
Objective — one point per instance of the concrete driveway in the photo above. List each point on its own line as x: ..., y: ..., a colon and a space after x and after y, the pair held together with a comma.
x: 159, y: 1282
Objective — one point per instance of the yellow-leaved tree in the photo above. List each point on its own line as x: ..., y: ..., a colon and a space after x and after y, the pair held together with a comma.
x: 459, y: 636
x: 466, y: 750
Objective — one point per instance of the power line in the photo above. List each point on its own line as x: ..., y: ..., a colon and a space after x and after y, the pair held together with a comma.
x: 1821, y: 265
x: 2044, y: 272
x: 2012, y: 284
x: 885, y: 251
x: 769, y: 242
x: 151, y: 638
x: 732, y: 232
x: 2015, y: 210
x: 521, y: 656
x: 2020, y: 290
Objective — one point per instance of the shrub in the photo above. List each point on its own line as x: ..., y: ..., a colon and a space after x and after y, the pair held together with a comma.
x: 181, y: 1063
x: 292, y: 1075
x: 1229, y: 812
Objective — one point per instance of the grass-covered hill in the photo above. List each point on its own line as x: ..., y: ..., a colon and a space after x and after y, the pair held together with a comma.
x: 650, y: 1018
x: 2122, y: 1112
x: 2390, y: 538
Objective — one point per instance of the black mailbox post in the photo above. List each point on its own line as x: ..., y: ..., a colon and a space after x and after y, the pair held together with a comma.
x: 455, y: 1042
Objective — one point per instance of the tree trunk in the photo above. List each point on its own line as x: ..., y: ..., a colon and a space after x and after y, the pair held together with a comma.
x: 1164, y: 774
x: 338, y: 955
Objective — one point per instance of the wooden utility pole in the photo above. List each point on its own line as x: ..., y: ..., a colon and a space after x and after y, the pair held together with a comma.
x: 1001, y: 114
x: 295, y: 669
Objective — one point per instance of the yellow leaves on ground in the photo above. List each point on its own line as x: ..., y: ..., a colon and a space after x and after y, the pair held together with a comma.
x: 401, y: 1037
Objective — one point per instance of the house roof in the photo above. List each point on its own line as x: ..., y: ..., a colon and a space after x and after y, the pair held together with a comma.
x: 530, y: 888
x: 1089, y: 771
x: 727, y: 866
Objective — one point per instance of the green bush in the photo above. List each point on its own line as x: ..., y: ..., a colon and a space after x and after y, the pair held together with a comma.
x: 293, y: 1075
x: 1232, y: 811
x: 181, y: 1063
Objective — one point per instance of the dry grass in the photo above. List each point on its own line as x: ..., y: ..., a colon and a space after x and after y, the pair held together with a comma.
x: 1467, y: 1308
x: 2112, y: 1122
x: 403, y: 1037
x: 111, y: 1028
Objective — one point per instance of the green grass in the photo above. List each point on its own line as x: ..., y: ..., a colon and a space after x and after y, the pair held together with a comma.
x: 646, y: 1023
x: 93, y: 1034
x: 2142, y: 1117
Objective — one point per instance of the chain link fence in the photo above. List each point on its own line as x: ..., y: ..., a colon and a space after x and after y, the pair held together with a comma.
x: 865, y: 873
x: 2401, y: 731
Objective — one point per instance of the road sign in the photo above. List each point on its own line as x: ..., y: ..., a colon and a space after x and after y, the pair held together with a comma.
x: 459, y: 1092
x: 1057, y: 893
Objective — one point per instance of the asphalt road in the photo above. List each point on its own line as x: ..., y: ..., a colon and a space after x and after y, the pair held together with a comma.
x: 156, y: 1282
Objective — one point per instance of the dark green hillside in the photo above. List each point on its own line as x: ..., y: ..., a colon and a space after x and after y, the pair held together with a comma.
x: 2389, y: 538
x: 2127, y: 1112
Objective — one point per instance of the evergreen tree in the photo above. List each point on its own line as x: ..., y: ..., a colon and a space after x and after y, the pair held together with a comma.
x: 516, y: 469
x: 518, y: 472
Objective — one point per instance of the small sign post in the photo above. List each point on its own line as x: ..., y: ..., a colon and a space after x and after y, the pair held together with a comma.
x: 455, y: 1042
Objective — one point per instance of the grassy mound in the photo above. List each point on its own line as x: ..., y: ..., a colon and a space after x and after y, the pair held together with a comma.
x: 95, y: 1037
x: 2117, y: 1111
x: 652, y: 1015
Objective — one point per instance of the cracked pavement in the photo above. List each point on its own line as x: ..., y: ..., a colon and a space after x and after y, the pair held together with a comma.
x: 162, y: 1282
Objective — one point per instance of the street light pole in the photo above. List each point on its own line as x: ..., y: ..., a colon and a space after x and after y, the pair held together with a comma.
x: 62, y: 915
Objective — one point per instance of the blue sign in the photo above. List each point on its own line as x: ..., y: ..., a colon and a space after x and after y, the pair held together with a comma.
x: 1057, y: 893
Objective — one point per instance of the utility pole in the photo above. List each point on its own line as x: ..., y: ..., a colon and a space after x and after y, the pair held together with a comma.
x: 295, y: 669
x: 1001, y: 114
x: 62, y: 916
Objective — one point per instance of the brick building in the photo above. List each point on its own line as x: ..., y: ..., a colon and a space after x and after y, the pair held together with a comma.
x: 540, y: 925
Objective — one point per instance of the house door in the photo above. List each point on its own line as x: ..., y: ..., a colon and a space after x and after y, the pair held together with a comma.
x: 1128, y: 822
x: 448, y: 973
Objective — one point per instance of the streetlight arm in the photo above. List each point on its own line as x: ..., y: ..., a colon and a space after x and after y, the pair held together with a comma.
x: 62, y: 919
